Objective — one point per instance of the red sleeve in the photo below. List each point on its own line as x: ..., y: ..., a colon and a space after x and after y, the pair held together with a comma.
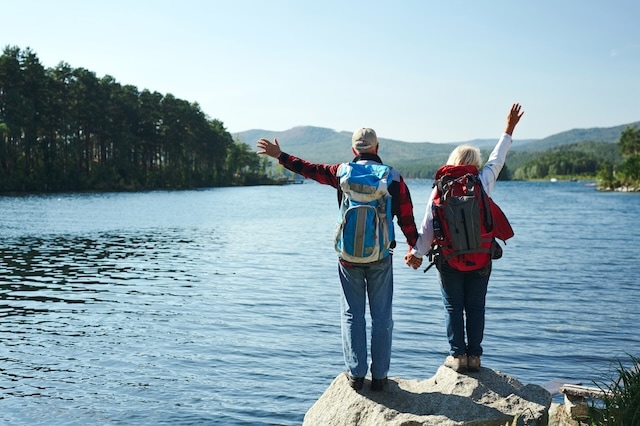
x: 322, y: 173
x: 404, y: 214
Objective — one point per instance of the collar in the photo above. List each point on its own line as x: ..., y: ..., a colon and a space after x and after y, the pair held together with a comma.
x: 368, y: 156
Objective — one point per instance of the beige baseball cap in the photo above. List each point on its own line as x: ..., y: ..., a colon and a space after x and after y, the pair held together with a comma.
x: 364, y: 139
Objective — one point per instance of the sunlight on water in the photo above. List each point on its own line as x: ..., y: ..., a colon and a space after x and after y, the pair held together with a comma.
x: 222, y: 306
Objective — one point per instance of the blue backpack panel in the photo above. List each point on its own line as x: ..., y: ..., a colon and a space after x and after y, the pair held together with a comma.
x: 364, y: 231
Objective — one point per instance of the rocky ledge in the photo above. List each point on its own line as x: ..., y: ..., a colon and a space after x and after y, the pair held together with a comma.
x: 487, y: 397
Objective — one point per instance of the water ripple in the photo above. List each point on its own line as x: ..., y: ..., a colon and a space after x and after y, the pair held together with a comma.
x: 222, y: 306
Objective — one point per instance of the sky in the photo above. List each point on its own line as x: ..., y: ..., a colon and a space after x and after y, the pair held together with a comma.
x: 414, y: 70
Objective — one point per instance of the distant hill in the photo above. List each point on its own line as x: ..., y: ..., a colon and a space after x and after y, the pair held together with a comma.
x: 322, y: 145
x: 595, y: 134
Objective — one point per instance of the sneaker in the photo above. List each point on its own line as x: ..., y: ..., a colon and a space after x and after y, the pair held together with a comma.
x: 473, y: 363
x: 378, y: 384
x: 456, y: 363
x: 356, y: 383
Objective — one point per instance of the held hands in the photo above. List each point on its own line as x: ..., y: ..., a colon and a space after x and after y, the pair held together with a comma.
x: 412, y: 261
x: 513, y: 118
x: 268, y: 148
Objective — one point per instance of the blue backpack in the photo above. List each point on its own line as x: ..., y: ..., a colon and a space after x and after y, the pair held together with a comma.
x: 364, y: 232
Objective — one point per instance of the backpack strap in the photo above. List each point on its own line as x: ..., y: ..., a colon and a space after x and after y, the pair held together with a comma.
x: 488, y: 217
x: 434, y: 257
x: 472, y: 187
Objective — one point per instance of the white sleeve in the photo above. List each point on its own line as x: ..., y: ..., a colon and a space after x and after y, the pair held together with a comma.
x: 425, y: 233
x: 491, y: 170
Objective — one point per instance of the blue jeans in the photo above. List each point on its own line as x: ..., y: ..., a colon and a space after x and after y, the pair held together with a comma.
x: 374, y: 280
x: 464, y: 293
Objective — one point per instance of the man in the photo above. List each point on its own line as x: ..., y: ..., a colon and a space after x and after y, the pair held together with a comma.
x: 359, y: 280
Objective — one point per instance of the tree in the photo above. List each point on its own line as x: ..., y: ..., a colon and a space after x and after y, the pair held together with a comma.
x: 630, y: 142
x: 630, y: 170
x: 630, y: 148
x: 605, y: 176
x: 11, y: 116
x: 66, y: 129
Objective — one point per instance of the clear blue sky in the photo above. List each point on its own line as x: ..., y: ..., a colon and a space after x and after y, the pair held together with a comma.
x: 437, y: 71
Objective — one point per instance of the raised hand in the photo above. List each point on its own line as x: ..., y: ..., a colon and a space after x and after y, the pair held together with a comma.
x: 513, y: 118
x: 268, y: 148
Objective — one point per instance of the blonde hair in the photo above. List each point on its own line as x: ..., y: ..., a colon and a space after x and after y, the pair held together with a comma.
x: 465, y: 155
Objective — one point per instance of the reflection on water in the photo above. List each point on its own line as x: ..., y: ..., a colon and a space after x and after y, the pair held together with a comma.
x: 90, y: 320
x: 75, y: 270
x: 222, y: 306
x: 61, y: 292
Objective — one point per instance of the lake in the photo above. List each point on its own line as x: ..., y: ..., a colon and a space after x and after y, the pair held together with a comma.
x: 221, y: 306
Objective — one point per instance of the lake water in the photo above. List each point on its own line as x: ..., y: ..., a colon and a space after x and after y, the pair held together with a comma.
x: 221, y: 306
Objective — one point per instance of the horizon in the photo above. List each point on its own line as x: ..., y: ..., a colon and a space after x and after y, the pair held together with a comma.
x: 447, y: 142
x: 416, y: 71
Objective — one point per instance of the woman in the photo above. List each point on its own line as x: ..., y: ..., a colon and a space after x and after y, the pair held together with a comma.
x: 464, y: 291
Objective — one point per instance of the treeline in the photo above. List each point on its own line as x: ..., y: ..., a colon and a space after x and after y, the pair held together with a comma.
x: 626, y: 173
x: 427, y: 169
x: 65, y: 129
x: 574, y: 160
x: 421, y: 169
x: 613, y: 165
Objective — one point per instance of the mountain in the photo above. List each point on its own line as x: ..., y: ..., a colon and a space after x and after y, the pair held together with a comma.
x: 318, y: 144
x: 322, y: 145
x: 595, y: 134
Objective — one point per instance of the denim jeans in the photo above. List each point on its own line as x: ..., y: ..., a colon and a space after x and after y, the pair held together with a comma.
x: 464, y: 294
x: 374, y: 281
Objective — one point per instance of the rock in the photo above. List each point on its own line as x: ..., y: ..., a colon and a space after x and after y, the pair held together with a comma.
x: 487, y: 397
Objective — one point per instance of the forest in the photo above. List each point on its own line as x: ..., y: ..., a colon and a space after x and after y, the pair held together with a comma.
x: 64, y: 129
x: 624, y: 174
x: 613, y: 165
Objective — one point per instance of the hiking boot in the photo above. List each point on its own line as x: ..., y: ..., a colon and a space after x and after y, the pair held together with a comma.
x: 473, y: 363
x: 356, y: 383
x: 456, y: 363
x: 378, y: 384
